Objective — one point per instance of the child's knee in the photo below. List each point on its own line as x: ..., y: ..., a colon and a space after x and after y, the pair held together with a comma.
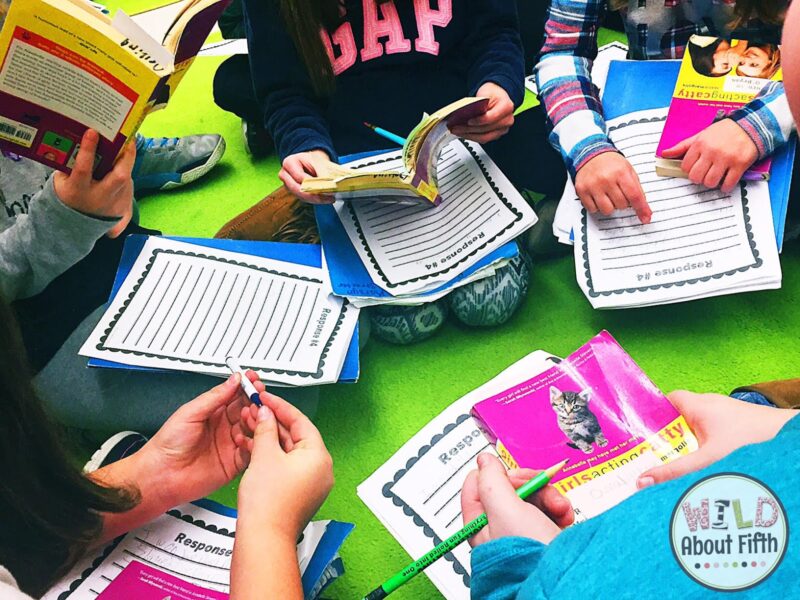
x: 492, y: 301
x: 407, y: 324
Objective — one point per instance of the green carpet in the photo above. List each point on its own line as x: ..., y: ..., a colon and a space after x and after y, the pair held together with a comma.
x: 709, y: 345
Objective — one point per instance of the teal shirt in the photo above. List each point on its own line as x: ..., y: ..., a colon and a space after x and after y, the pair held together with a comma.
x: 626, y: 552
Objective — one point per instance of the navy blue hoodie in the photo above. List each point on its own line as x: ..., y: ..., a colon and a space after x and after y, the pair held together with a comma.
x: 418, y: 56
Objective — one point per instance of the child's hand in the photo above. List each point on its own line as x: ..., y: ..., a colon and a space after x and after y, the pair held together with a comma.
x: 608, y: 182
x: 288, y: 479
x: 491, y: 489
x: 112, y: 196
x: 299, y: 166
x: 721, y: 425
x: 495, y: 122
x: 718, y: 156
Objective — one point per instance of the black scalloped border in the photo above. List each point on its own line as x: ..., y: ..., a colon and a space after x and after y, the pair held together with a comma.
x: 410, y: 512
x: 476, y: 249
x: 325, y: 351
x: 748, y: 227
x: 186, y: 518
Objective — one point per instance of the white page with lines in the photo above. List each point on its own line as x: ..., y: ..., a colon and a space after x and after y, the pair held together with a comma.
x: 700, y: 241
x: 189, y: 542
x: 188, y: 307
x: 409, y: 248
x: 421, y: 483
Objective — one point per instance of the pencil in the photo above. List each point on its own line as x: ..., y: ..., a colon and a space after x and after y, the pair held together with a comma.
x: 448, y: 545
x: 246, y: 384
x: 387, y: 134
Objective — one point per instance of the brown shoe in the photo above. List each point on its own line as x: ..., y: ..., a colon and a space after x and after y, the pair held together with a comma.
x: 784, y: 393
x: 280, y: 217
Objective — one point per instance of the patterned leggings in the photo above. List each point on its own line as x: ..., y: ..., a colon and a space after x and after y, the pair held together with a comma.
x: 485, y: 303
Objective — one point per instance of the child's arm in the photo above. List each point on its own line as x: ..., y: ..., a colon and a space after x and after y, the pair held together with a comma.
x: 64, y: 221
x: 292, y: 113
x: 289, y: 476
x: 720, y: 154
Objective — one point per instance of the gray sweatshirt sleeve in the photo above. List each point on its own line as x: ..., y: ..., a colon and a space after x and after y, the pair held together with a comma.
x: 38, y: 247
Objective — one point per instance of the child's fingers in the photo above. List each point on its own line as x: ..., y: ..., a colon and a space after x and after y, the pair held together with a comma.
x: 714, y: 176
x: 604, y: 204
x: 679, y: 149
x: 266, y: 443
x: 690, y: 463
x: 471, y: 507
x: 731, y: 180
x: 494, y: 487
x: 84, y: 162
x: 699, y: 170
x: 632, y: 189
x: 300, y: 428
x: 553, y: 504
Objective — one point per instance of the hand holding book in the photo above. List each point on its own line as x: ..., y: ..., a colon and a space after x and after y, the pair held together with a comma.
x: 717, y: 157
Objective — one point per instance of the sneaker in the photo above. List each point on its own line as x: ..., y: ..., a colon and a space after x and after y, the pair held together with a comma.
x: 115, y: 448
x: 257, y: 142
x: 168, y: 163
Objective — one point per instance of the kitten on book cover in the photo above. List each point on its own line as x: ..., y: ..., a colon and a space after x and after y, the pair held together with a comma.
x: 67, y: 67
x: 717, y: 77
x: 417, y: 180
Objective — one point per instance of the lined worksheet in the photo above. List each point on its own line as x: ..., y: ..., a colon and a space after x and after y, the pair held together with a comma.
x: 700, y: 241
x: 189, y: 542
x: 187, y: 307
x: 412, y: 248
x: 416, y: 494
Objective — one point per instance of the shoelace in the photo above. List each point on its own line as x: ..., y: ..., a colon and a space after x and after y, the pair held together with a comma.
x: 149, y: 143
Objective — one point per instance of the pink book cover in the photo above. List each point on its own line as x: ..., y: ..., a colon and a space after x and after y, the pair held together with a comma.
x: 718, y: 76
x: 143, y: 582
x: 596, y: 408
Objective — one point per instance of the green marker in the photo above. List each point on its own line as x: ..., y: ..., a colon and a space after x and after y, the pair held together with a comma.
x: 448, y: 545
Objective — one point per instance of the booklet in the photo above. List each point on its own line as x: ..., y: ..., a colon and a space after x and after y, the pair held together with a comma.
x: 597, y: 409
x: 414, y: 180
x: 186, y: 554
x: 67, y: 67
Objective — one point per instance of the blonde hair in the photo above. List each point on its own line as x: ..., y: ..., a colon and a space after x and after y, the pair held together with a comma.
x: 4, y: 4
x: 774, y: 63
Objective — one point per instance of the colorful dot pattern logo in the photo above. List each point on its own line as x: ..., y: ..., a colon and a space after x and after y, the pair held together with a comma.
x: 729, y: 532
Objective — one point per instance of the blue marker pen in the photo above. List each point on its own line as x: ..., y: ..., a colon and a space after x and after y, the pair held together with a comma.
x: 247, y: 385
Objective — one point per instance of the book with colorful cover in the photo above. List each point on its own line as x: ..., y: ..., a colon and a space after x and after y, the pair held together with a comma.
x: 716, y: 77
x: 66, y: 67
x: 597, y: 409
x: 417, y: 180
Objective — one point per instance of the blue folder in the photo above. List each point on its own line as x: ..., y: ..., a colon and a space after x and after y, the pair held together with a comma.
x: 349, y: 276
x: 641, y: 85
x: 300, y: 254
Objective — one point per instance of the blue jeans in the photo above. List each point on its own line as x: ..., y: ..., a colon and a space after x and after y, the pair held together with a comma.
x: 752, y: 398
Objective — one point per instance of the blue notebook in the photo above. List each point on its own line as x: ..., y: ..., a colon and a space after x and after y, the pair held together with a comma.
x: 625, y: 93
x: 301, y: 254
x: 349, y: 276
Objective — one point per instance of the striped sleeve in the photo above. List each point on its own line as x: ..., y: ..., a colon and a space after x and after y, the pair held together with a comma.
x: 767, y: 119
x: 563, y: 76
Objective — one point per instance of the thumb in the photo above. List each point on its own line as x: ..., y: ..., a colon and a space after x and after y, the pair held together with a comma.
x: 266, y: 440
x: 699, y: 459
x: 494, y: 487
x: 679, y: 149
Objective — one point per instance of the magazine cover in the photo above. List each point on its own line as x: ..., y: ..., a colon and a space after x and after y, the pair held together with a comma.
x: 597, y: 409
x: 717, y: 77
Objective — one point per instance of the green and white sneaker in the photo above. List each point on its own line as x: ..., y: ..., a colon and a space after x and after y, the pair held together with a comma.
x: 168, y: 163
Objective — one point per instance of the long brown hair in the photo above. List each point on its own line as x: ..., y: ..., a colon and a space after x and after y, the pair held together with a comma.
x: 304, y: 20
x: 769, y: 12
x: 50, y: 513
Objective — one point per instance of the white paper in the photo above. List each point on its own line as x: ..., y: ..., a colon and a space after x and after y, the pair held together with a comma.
x: 128, y: 27
x: 408, y: 249
x: 700, y: 242
x: 421, y: 482
x: 168, y: 543
x: 188, y: 307
x: 600, y: 66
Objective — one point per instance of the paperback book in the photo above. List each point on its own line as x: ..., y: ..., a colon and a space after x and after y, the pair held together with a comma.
x: 717, y: 77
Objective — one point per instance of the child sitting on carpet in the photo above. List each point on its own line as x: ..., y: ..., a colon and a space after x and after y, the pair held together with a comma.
x: 626, y: 551
x: 321, y: 68
x: 51, y: 514
x: 717, y: 157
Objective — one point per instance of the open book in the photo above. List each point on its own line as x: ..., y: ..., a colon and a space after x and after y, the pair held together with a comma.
x: 67, y: 67
x: 417, y: 179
